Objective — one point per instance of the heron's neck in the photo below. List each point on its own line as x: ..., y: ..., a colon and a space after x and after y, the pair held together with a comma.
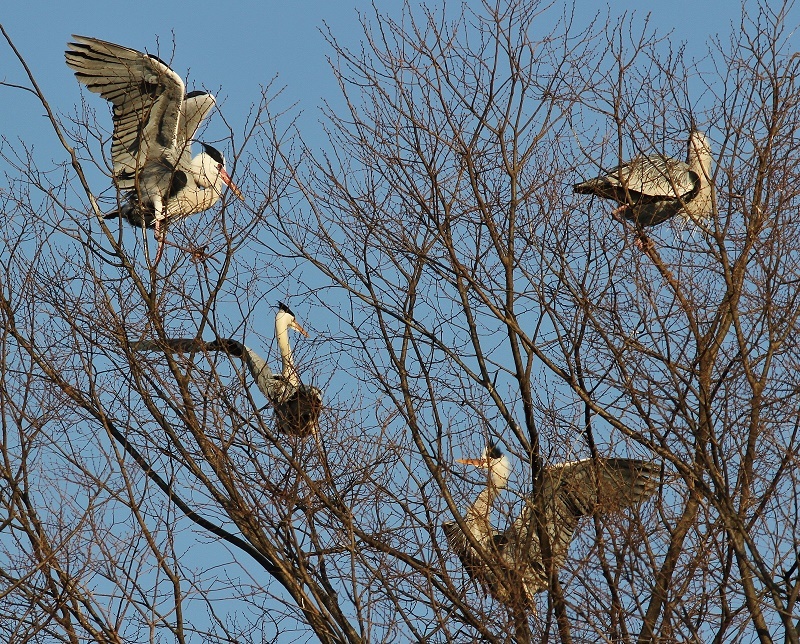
x: 207, y: 175
x: 289, y: 372
x: 700, y: 160
x: 478, y: 514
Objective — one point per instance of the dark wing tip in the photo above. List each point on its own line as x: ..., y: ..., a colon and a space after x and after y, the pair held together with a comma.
x: 160, y: 60
x: 590, y: 186
x: 581, y: 188
x: 85, y: 42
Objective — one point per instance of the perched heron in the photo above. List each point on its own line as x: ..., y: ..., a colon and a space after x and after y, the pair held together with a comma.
x: 655, y: 188
x: 154, y: 122
x: 510, y: 564
x: 296, y: 406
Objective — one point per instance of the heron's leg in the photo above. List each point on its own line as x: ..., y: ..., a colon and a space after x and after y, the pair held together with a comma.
x: 643, y: 242
x: 161, y: 228
x: 198, y: 253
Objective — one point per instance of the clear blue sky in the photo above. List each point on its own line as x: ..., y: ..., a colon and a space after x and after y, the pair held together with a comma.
x: 234, y: 48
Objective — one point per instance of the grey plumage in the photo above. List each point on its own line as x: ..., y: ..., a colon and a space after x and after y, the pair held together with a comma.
x: 154, y: 122
x: 654, y: 188
x: 296, y: 406
x: 511, y: 566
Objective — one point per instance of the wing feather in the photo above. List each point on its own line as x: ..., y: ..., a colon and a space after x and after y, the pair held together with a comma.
x: 577, y: 489
x: 645, y: 179
x: 656, y: 176
x: 147, y: 98
x: 194, y: 110
x: 606, y: 483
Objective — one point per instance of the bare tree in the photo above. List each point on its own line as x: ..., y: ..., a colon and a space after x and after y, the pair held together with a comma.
x: 470, y: 297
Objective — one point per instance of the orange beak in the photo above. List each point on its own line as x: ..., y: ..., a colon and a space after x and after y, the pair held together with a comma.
x: 477, y: 462
x: 297, y: 327
x: 229, y: 182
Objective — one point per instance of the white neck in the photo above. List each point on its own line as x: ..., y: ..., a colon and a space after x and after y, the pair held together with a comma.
x: 201, y: 194
x: 699, y: 160
x: 190, y: 201
x: 282, y: 334
x: 479, y: 513
x: 699, y: 155
x: 206, y: 173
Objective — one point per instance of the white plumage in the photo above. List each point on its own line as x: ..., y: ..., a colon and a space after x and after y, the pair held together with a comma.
x: 154, y: 123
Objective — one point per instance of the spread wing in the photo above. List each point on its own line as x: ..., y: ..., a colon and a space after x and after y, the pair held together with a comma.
x: 147, y: 97
x: 195, y: 108
x: 577, y: 489
x: 265, y: 380
x: 191, y: 345
x: 580, y: 488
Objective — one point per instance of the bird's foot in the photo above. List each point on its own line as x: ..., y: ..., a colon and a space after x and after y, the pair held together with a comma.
x: 196, y: 253
x: 619, y: 213
x: 643, y: 243
x: 159, y: 252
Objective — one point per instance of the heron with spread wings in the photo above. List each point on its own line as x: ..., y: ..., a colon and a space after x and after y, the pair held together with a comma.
x: 154, y: 123
x: 510, y: 564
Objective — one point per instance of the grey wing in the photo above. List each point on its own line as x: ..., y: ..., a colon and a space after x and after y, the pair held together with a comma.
x: 266, y: 381
x: 568, y: 492
x: 580, y: 488
x: 258, y: 367
x: 604, y: 483
x: 147, y: 97
x: 561, y: 504
x: 655, y: 176
x: 193, y: 345
x: 173, y: 345
x: 194, y: 110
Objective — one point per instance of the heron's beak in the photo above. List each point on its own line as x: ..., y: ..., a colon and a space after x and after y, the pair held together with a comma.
x: 477, y: 462
x: 296, y: 326
x: 229, y: 182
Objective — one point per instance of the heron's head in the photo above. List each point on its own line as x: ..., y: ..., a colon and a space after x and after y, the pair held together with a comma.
x: 495, y: 462
x: 285, y: 319
x: 211, y: 168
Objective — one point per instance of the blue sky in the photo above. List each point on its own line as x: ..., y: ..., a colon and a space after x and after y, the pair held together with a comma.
x: 234, y: 48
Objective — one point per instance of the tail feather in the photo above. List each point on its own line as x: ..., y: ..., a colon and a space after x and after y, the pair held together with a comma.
x: 134, y: 213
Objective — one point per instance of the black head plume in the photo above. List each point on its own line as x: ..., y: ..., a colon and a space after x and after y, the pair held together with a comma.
x: 285, y: 309
x: 213, y: 153
x: 493, y: 451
